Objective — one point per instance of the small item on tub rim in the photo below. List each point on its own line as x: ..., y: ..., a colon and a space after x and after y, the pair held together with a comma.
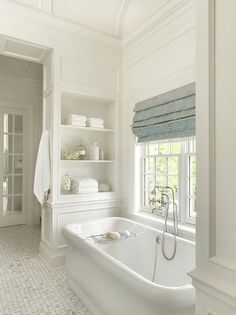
x: 126, y: 233
x: 113, y: 235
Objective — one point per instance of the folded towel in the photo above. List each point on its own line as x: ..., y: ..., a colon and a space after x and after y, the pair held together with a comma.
x: 84, y: 182
x: 84, y: 190
x: 75, y: 123
x: 96, y: 121
x: 77, y: 117
x: 76, y: 120
x: 95, y: 126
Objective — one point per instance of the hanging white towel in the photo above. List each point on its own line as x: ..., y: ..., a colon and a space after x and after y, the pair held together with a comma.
x: 42, y: 177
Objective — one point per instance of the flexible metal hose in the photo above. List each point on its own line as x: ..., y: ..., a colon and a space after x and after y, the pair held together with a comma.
x: 175, y: 220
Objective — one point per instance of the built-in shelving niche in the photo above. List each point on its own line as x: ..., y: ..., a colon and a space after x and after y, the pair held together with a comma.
x: 71, y: 136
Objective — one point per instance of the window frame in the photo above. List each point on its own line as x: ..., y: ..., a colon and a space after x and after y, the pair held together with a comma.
x: 183, y: 178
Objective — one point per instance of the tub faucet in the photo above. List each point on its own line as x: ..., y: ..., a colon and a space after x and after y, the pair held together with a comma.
x: 160, y: 204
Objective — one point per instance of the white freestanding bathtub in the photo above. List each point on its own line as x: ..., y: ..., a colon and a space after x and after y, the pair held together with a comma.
x: 115, y: 278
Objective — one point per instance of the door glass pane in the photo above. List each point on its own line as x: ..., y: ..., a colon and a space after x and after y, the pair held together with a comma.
x: 7, y: 204
x: 8, y: 123
x: 18, y: 124
x: 7, y: 185
x: 7, y: 144
x: 17, y: 203
x: 18, y: 144
x: 7, y: 164
x: 18, y: 164
x: 17, y: 185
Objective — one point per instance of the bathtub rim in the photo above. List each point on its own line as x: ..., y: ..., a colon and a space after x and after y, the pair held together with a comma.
x: 76, y: 239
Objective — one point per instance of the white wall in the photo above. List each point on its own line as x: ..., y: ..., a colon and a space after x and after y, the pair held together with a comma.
x: 158, y: 61
x: 26, y: 94
x: 215, y: 273
x: 83, y: 58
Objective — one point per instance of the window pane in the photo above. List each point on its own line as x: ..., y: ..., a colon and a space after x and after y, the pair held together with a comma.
x: 149, y: 165
x: 153, y: 148
x: 192, y: 186
x: 192, y: 207
x: 17, y: 203
x: 149, y: 182
x: 164, y: 148
x: 17, y: 185
x: 173, y: 183
x: 7, y: 144
x: 7, y: 204
x: 173, y: 166
x: 18, y: 124
x: 147, y: 198
x: 8, y: 119
x: 18, y: 164
x: 7, y: 185
x: 175, y: 147
x: 192, y: 165
x: 161, y: 165
x: 7, y: 164
x: 18, y: 145
x: 160, y: 180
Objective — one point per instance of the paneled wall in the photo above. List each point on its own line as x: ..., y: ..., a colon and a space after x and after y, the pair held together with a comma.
x: 78, y: 59
x: 215, y: 273
x: 158, y: 61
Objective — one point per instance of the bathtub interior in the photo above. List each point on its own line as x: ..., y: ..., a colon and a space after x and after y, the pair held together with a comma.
x: 138, y: 253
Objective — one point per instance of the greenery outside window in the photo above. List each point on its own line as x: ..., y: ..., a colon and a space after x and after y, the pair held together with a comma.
x: 171, y: 163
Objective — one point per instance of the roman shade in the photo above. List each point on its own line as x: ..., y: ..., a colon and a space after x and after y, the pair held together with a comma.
x: 166, y: 116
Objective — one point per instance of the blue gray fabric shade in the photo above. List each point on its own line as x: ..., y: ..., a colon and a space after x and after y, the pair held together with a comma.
x: 167, y: 116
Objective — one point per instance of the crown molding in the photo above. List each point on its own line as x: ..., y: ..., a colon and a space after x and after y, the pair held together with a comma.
x: 166, y: 14
x: 25, y: 14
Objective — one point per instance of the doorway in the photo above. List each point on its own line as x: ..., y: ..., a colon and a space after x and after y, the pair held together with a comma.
x: 21, y: 100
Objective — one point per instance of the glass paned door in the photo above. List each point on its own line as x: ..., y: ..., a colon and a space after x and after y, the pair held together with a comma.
x: 12, y: 171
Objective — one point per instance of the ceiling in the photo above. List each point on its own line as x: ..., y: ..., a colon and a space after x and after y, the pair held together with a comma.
x: 118, y: 18
x: 20, y: 69
x: 115, y: 17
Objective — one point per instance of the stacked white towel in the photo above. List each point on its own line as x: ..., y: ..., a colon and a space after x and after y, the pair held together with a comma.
x: 95, y: 122
x: 76, y: 120
x: 84, y: 185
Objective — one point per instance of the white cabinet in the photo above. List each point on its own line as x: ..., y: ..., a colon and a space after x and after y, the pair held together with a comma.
x: 103, y: 170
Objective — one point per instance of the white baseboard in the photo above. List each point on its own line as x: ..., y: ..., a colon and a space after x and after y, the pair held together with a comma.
x: 51, y: 259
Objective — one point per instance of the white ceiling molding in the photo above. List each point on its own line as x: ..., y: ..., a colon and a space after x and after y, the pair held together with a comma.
x: 118, y: 18
x: 169, y: 10
x: 121, y: 17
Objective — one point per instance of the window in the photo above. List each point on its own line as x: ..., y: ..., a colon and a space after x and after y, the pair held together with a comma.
x: 171, y: 163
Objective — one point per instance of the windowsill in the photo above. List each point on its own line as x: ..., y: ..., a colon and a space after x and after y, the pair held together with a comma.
x: 185, y: 231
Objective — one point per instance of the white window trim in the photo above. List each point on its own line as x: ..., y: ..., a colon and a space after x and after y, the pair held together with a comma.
x: 184, y: 218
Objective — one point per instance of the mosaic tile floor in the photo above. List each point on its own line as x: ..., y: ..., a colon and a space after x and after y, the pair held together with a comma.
x: 27, y: 286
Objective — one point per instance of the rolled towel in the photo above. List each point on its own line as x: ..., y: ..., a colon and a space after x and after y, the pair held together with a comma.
x: 96, y: 121
x: 84, y: 182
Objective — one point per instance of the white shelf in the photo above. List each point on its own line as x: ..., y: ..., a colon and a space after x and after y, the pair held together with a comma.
x: 89, y: 161
x: 71, y: 127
